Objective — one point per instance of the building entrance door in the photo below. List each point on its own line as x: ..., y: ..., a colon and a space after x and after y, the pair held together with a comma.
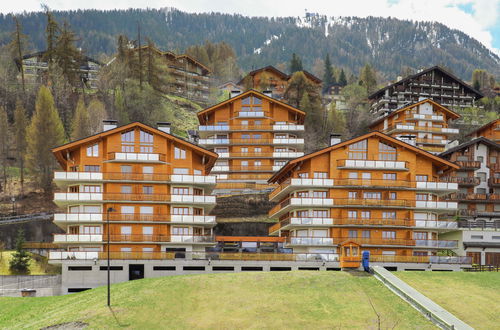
x: 135, y: 272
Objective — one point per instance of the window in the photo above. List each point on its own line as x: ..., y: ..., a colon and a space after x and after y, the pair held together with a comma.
x: 421, y: 178
x: 147, y: 169
x: 319, y: 194
x: 353, y: 233
x: 92, y: 168
x: 91, y: 189
x: 128, y: 137
x: 303, y: 175
x: 392, y: 195
x: 358, y: 150
x: 386, y: 152
x: 389, y: 176
x: 146, y: 137
x: 257, y: 136
x: 197, y: 191
x: 352, y: 214
x: 257, y: 150
x: 126, y: 249
x: 353, y: 194
x: 422, y: 197
x: 91, y: 209
x: 476, y: 236
x: 147, y: 249
x: 258, y: 123
x: 245, y: 136
x: 365, y: 214
x: 303, y: 194
x: 180, y: 210
x: 181, y: 171
x: 147, y: 230
x: 257, y: 163
x: 127, y: 209
x: 388, y: 235
x: 419, y: 253
x: 366, y: 176
x: 147, y: 190
x: 146, y: 210
x: 365, y: 234
x: 179, y: 153
x: 126, y: 230
x: 353, y: 175
x: 126, y: 169
x: 388, y: 253
x: 389, y: 215
x: 419, y: 235
x: 93, y: 150
x: 319, y: 213
x: 92, y: 230
x: 244, y: 122
x: 197, y: 211
x: 180, y: 191
x: 244, y: 150
x: 279, y: 162
x: 372, y: 195
x: 196, y: 172
x: 320, y: 175
x: 180, y: 230
x: 244, y: 163
x: 126, y: 189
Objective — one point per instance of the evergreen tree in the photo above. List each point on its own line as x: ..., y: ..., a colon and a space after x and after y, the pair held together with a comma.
x: 4, y: 143
x: 342, y: 78
x: 97, y: 113
x: 295, y: 64
x: 311, y: 105
x: 20, y: 262
x: 119, y: 105
x: 336, y: 120
x: 368, y: 79
x: 297, y: 86
x: 328, y: 76
x: 80, y: 127
x: 17, y: 48
x: 44, y: 133
x: 51, y: 31
x: 20, y: 124
x: 67, y: 56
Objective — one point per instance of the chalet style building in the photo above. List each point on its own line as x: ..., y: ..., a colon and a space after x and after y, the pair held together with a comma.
x: 490, y: 131
x: 272, y: 79
x: 151, y: 187
x: 35, y: 68
x: 435, y: 83
x: 478, y: 198
x: 254, y: 136
x: 188, y: 77
x: 373, y: 193
x: 424, y: 124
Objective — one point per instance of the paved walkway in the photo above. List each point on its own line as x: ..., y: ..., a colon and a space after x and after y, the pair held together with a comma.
x: 426, y: 306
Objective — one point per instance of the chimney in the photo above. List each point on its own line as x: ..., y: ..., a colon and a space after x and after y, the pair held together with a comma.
x: 235, y: 93
x: 109, y: 124
x: 164, y: 126
x: 451, y: 144
x: 268, y: 93
x: 335, y: 139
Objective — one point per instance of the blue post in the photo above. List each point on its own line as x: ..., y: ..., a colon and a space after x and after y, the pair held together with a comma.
x: 366, y: 261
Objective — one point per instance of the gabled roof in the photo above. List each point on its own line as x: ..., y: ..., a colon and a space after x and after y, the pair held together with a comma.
x: 418, y: 74
x: 294, y: 162
x: 310, y: 76
x: 245, y: 94
x: 481, y: 139
x: 60, y: 157
x: 452, y: 114
x: 484, y: 127
x: 283, y: 75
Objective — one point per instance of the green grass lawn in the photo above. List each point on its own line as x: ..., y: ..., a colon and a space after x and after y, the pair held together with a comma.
x: 38, y: 265
x: 272, y: 300
x: 472, y: 297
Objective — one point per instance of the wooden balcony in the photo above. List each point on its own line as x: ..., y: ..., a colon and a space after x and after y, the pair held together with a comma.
x: 372, y: 164
x: 175, y: 239
x: 461, y: 181
x: 494, y: 182
x: 469, y: 164
x: 68, y: 198
x: 71, y: 177
x: 473, y: 197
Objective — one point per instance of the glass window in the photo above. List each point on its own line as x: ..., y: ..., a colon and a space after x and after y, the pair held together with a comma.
x: 366, y: 234
x: 147, y: 230
x: 147, y: 190
x: 386, y: 152
x: 126, y: 189
x: 91, y: 189
x: 92, y: 168
x: 180, y: 230
x: 245, y: 136
x: 127, y: 209
x: 352, y: 214
x: 319, y: 194
x: 353, y: 194
x: 320, y: 175
x: 244, y: 150
x: 128, y: 136
x: 257, y: 163
x: 365, y: 214
x: 244, y: 163
x: 358, y: 150
x: 419, y: 235
x: 319, y: 213
x: 303, y: 175
x: 147, y: 169
x: 146, y: 137
x: 146, y: 210
x: 180, y: 211
x: 126, y: 168
x: 372, y: 195
x: 126, y: 230
x: 392, y: 195
x: 366, y: 176
x: 389, y: 215
x: 257, y: 150
x: 91, y: 209
x: 147, y: 249
x: 126, y: 249
x: 421, y: 178
x: 93, y: 150
x: 388, y: 235
x: 179, y: 153
x: 181, y: 171
x: 353, y: 233
x: 303, y: 194
x: 180, y: 191
x: 389, y: 176
x: 353, y: 175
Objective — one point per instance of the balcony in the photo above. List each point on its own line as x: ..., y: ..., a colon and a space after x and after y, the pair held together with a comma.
x: 309, y: 241
x: 193, y: 199
x: 235, y: 169
x: 421, y: 259
x: 427, y: 117
x: 480, y: 224
x: 436, y: 205
x: 208, y: 142
x: 68, y: 198
x: 412, y: 128
x: 493, y: 198
x: 372, y: 164
x: 113, y: 217
x: 192, y: 239
x: 288, y: 127
x: 76, y: 255
x: 288, y: 141
x: 442, y: 187
x: 432, y: 141
x: 252, y: 114
x: 469, y: 164
x: 494, y: 182
x: 287, y: 154
x: 60, y: 176
x: 421, y: 243
x: 263, y: 155
x: 136, y: 157
x: 193, y: 179
x: 296, y: 183
x: 436, y: 224
x: 193, y: 219
x: 461, y: 181
x: 293, y: 202
x: 214, y: 128
x: 77, y: 238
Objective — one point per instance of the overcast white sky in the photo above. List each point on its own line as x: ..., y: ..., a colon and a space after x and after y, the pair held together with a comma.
x: 478, y: 18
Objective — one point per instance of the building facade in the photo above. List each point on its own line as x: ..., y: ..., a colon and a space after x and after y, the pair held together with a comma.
x: 478, y: 199
x: 490, y: 131
x: 373, y: 193
x: 254, y: 136
x: 435, y: 83
x: 150, y: 186
x: 424, y: 124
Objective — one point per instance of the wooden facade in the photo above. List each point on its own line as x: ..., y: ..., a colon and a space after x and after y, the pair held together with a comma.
x: 490, y: 131
x: 254, y: 135
x: 151, y: 186
x: 373, y: 190
x: 424, y: 124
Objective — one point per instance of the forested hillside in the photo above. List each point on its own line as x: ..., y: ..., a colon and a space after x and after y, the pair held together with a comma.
x: 389, y: 44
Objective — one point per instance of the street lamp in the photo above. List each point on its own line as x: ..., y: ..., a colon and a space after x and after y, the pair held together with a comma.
x: 110, y: 209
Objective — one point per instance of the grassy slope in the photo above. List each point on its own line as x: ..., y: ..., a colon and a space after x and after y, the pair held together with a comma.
x: 472, y: 297
x: 36, y: 268
x: 241, y: 300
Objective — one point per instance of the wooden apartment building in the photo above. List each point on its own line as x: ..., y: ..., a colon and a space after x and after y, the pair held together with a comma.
x: 153, y: 188
x: 373, y: 192
x: 424, y: 124
x: 254, y: 136
x: 435, y: 83
x: 490, y: 131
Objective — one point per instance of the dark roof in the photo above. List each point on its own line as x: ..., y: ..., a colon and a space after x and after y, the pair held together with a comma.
x: 42, y: 52
x: 282, y: 74
x: 311, y: 76
x: 483, y: 127
x: 469, y: 143
x: 436, y: 67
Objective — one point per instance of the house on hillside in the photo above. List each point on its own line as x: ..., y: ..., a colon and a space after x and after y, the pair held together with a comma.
x: 35, y: 68
x: 490, y: 131
x: 434, y: 83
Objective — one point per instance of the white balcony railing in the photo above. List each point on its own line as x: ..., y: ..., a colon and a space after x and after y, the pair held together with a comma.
x: 310, y: 241
x: 311, y: 221
x: 220, y: 168
x: 440, y: 186
x: 191, y: 239
x: 78, y: 217
x: 288, y: 127
x: 287, y: 154
x: 206, y: 219
x: 77, y: 255
x: 223, y: 154
x: 192, y: 179
x: 288, y: 141
x: 428, y: 117
x: 436, y: 205
x: 193, y: 199
x: 374, y: 164
x: 136, y: 157
x: 213, y: 141
x: 77, y: 238
x: 217, y: 128
x: 61, y: 197
x: 78, y: 176
x: 436, y: 224
x: 251, y: 114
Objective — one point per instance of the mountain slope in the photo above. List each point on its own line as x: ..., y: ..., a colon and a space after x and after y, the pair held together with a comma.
x: 387, y: 43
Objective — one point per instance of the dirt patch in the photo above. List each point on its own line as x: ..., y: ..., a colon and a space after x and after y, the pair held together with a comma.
x: 67, y: 326
x: 242, y: 206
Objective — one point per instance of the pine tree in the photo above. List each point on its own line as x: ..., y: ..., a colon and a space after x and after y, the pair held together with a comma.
x: 20, y: 125
x: 328, y: 76
x: 17, y: 46
x: 342, y: 78
x: 80, y: 127
x: 295, y: 64
x: 67, y: 56
x: 368, y: 79
x: 51, y: 31
x: 45, y: 132
x: 4, y: 143
x: 97, y: 113
x: 20, y: 262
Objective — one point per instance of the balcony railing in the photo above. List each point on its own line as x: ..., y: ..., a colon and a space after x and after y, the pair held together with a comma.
x: 226, y: 128
x: 136, y: 157
x: 494, y: 182
x: 372, y: 164
x: 127, y: 217
x: 421, y: 259
x: 309, y: 241
x: 198, y: 219
x: 469, y: 164
x: 473, y: 197
x: 252, y: 114
x: 121, y: 176
x: 86, y: 197
x: 402, y: 127
x: 213, y: 141
x: 77, y: 238
x: 432, y: 141
x: 401, y: 242
x: 162, y: 238
x: 428, y: 117
x: 468, y: 181
x: 301, y: 201
x: 300, y: 183
x: 482, y: 224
